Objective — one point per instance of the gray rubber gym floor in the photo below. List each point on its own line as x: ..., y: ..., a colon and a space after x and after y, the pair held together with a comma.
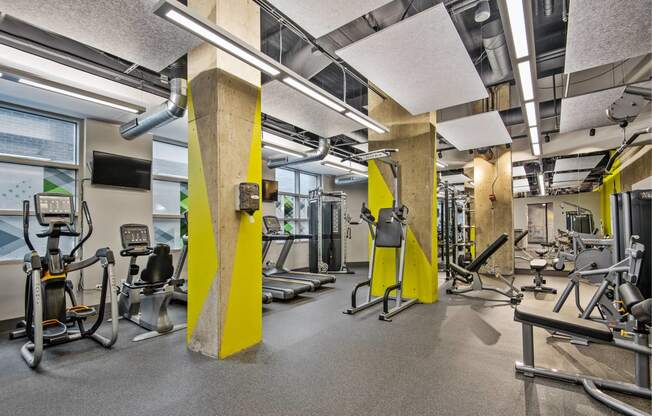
x: 454, y: 357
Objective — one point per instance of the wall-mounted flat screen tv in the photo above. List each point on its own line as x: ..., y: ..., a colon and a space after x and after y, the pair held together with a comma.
x: 123, y: 171
x: 270, y: 191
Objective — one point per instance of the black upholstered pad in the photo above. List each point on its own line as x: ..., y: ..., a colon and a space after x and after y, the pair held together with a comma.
x: 571, y: 326
x: 519, y: 237
x: 488, y: 252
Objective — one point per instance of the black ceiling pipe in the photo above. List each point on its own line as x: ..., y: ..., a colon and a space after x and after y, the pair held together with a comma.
x: 514, y: 116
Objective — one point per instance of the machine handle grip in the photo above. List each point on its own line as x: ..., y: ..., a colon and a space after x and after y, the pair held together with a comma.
x: 86, y: 213
x: 26, y: 225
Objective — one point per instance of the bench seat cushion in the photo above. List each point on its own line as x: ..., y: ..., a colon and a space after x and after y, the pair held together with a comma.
x: 538, y: 264
x: 571, y: 326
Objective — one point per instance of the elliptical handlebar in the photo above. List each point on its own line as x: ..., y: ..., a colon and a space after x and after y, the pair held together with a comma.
x: 26, y: 225
x: 86, y: 213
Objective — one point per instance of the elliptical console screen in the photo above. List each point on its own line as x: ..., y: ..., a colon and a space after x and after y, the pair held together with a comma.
x: 52, y: 208
x: 134, y: 235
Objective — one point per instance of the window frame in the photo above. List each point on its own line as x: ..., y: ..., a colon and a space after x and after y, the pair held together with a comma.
x: 167, y: 178
x: 297, y: 196
x: 29, y: 161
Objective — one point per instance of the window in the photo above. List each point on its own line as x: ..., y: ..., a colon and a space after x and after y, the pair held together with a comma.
x: 169, y: 192
x: 39, y: 154
x: 292, y: 205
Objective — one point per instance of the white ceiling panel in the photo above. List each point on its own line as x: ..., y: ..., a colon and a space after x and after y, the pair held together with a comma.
x: 521, y: 183
x: 125, y: 28
x: 587, y: 111
x: 472, y: 132
x: 569, y: 178
x: 518, y: 171
x: 285, y: 103
x: 319, y: 17
x: 420, y: 62
x: 577, y: 163
x: 454, y: 179
x: 617, y: 29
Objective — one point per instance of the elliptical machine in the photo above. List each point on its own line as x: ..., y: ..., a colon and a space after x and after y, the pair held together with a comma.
x: 144, y: 299
x: 47, y: 319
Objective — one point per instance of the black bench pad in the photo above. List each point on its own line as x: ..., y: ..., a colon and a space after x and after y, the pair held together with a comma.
x: 570, y: 326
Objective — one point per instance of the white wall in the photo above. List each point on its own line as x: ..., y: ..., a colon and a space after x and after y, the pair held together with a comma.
x: 109, y: 206
x: 588, y: 200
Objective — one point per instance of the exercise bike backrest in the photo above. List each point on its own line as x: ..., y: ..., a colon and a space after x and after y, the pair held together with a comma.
x: 136, y: 243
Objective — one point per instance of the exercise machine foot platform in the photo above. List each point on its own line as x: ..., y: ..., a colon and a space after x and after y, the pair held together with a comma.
x: 144, y: 301
x: 538, y: 265
x: 638, y: 343
x: 388, y: 232
x: 469, y: 276
x: 48, y: 320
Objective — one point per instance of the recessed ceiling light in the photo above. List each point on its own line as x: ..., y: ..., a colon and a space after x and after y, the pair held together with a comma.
x: 525, y: 74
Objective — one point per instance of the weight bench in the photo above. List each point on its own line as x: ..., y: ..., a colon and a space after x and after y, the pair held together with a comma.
x: 470, y: 276
x: 595, y: 332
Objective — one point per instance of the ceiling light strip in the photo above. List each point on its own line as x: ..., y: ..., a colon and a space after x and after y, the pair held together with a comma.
x: 282, y: 150
x: 183, y: 17
x: 517, y: 23
x: 73, y: 94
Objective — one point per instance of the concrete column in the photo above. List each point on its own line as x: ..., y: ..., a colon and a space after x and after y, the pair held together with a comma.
x: 224, y: 260
x: 415, y: 138
x: 494, y: 177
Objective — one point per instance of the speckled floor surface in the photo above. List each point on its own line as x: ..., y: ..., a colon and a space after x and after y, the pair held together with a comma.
x: 454, y: 357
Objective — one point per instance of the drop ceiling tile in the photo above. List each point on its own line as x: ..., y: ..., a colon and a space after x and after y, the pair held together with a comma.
x: 618, y: 30
x: 420, y: 62
x: 472, y: 132
x: 566, y: 178
x: 577, y: 163
x: 455, y: 179
x: 587, y: 111
x: 518, y: 171
x: 285, y: 103
x: 125, y: 28
x: 319, y: 17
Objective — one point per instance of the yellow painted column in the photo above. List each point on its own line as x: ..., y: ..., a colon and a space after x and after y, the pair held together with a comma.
x: 415, y: 139
x: 224, y: 138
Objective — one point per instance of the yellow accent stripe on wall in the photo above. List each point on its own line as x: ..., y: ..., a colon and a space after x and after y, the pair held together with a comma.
x: 243, y: 323
x: 420, y: 277
x: 610, y: 185
x: 202, y: 247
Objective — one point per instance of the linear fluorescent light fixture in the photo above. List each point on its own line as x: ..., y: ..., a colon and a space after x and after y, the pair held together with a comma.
x: 534, y: 135
x: 186, y: 19
x: 77, y: 95
x: 367, y: 123
x: 374, y: 154
x: 531, y: 113
x: 441, y: 164
x: 282, y: 150
x: 525, y: 74
x: 517, y: 24
x: 355, y: 172
x: 221, y: 42
x: 310, y: 92
x: 542, y: 185
x: 536, y: 149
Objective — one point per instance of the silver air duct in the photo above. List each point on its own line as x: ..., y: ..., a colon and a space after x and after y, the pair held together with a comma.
x: 349, y: 179
x: 311, y: 156
x: 174, y: 108
x: 493, y: 41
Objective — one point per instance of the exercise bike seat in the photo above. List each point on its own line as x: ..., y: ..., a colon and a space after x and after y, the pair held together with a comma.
x: 80, y: 312
x: 538, y: 264
x: 53, y: 329
x: 541, y: 251
x: 159, y: 267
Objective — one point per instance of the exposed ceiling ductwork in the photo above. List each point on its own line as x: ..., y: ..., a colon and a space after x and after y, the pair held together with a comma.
x: 313, y: 155
x: 493, y: 40
x: 173, y: 109
x: 349, y: 179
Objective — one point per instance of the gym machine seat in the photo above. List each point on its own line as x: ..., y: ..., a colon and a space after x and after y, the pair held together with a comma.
x: 470, y: 276
x: 538, y: 265
x: 597, y: 332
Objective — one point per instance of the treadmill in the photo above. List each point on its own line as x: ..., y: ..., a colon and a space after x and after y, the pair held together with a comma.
x: 278, y: 287
x: 274, y: 232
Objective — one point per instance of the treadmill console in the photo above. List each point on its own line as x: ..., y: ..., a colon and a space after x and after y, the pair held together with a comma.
x: 53, y: 208
x: 134, y: 235
x: 272, y: 224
